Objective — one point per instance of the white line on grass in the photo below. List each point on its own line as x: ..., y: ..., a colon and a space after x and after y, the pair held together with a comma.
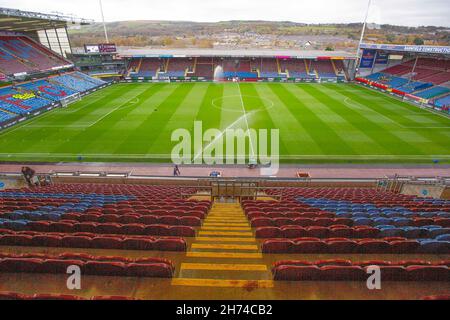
x: 246, y: 122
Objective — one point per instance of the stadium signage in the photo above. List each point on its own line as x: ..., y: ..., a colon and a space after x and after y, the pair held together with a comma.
x: 407, y: 48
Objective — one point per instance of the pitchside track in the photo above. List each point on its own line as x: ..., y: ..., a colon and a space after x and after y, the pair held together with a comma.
x: 317, y: 123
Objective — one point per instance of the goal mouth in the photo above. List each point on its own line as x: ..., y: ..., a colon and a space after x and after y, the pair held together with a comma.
x: 66, y: 101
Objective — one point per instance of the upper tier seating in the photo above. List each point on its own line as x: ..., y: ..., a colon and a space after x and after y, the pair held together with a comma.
x: 47, y: 90
x: 74, y: 82
x: 21, y: 54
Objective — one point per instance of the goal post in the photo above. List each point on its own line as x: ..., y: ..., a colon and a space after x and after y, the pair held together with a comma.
x: 66, y: 101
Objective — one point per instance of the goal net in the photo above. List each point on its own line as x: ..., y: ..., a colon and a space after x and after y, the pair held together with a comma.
x: 65, y: 102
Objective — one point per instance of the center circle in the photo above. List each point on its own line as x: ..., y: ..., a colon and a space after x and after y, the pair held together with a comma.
x: 235, y: 99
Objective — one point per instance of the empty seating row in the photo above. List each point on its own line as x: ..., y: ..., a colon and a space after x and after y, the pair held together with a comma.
x: 290, y: 231
x: 396, y: 245
x: 90, y: 240
x: 172, y: 218
x: 73, y: 82
x: 396, y: 222
x: 354, y: 272
x: 87, y: 257
x: 71, y: 226
x: 8, y: 295
x: 88, y: 267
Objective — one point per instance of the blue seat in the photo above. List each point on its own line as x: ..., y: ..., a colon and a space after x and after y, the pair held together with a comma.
x: 362, y: 222
x: 443, y: 237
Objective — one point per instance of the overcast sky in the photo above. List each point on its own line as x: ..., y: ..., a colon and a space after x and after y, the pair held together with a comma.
x: 400, y: 12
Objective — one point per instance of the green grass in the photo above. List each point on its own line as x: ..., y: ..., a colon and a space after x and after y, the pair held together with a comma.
x: 330, y: 123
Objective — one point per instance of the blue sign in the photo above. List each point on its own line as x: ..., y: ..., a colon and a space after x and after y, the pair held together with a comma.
x: 2, y: 185
x: 367, y: 59
x: 382, y: 58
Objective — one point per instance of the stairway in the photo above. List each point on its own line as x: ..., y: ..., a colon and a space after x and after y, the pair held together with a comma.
x: 225, y: 253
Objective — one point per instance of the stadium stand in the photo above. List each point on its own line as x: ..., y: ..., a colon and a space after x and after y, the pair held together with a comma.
x: 432, y: 92
x: 149, y: 68
x: 47, y: 90
x: 75, y: 82
x: 20, y: 102
x: 238, y: 68
x: 21, y: 54
x: 204, y: 67
x: 324, y: 68
x: 178, y: 67
x: 295, y: 68
x: 99, y: 216
x: 268, y: 68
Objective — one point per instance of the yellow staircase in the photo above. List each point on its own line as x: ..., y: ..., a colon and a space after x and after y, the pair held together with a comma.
x: 225, y: 253
x: 334, y: 67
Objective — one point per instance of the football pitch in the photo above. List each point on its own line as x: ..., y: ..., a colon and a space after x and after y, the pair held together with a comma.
x: 318, y: 123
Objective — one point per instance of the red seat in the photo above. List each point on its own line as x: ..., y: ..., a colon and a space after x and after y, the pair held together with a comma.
x: 76, y: 242
x: 428, y: 273
x: 190, y: 221
x: 156, y: 270
x: 169, y: 220
x: 261, y: 222
x: 333, y: 262
x: 28, y: 265
x: 46, y: 241
x: 137, y: 244
x: 374, y: 246
x: 309, y: 247
x: 148, y: 220
x: 86, y: 227
x: 316, y: 231
x: 297, y: 273
x: 134, y: 228
x: 182, y: 231
x: 59, y: 265
x: 107, y: 243
x: 393, y: 273
x: 102, y: 268
x: 157, y: 230
x: 6, y: 295
x: 404, y: 246
x: 341, y: 246
x: 168, y: 244
x: 339, y: 273
x: 277, y: 246
x: 16, y: 240
x: 54, y: 297
x: 267, y: 232
x: 293, y: 232
x: 108, y: 228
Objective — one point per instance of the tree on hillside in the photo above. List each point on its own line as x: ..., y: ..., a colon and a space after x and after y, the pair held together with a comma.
x: 418, y: 41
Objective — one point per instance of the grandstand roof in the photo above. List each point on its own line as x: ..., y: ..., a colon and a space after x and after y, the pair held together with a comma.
x: 24, y: 21
x: 263, y: 53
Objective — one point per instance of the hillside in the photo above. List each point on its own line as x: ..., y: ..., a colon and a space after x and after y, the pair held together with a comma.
x: 260, y: 34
